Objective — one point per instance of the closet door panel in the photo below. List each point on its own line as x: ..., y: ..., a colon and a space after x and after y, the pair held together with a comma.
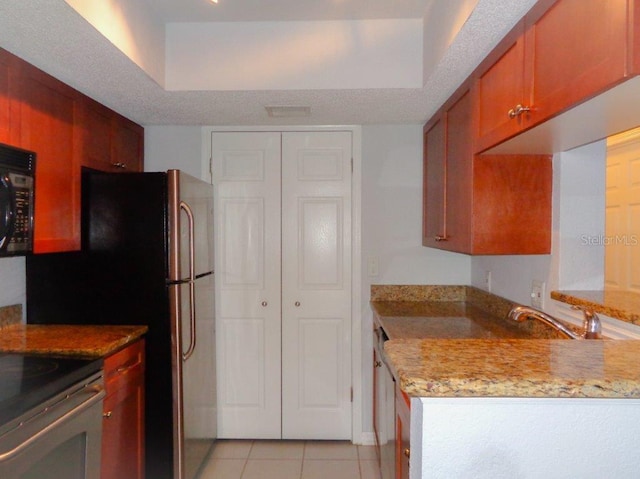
x: 246, y: 169
x: 316, y: 288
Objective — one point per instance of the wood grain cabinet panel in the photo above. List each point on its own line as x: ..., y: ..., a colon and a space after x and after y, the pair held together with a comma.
x: 123, y: 424
x: 403, y: 430
x: 575, y: 49
x: 433, y: 204
x: 5, y: 130
x: 481, y: 204
x: 95, y: 135
x: 66, y: 130
x: 47, y: 127
x: 562, y: 53
x: 109, y: 142
x: 500, y: 86
x: 128, y: 144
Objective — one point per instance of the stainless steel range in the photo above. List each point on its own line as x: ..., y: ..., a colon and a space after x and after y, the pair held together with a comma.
x: 50, y: 417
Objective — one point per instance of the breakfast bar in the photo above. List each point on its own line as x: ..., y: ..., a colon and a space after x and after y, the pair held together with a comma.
x: 497, y: 397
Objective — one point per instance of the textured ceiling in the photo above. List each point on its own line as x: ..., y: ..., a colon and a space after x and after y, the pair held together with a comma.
x: 52, y: 36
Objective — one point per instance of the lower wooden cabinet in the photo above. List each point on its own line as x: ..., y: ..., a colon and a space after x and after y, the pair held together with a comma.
x: 123, y: 414
x: 403, y: 426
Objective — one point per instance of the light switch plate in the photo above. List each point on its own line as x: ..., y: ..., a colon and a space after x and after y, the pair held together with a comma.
x: 537, y: 294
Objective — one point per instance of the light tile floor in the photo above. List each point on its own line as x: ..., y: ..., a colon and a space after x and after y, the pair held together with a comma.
x: 290, y: 460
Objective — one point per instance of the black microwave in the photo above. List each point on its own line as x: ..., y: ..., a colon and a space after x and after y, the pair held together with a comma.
x: 17, y: 195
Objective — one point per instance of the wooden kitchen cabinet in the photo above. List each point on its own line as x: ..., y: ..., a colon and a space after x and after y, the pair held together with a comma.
x: 123, y: 417
x: 109, y: 142
x: 481, y: 204
x: 66, y: 130
x: 562, y: 53
x: 5, y: 129
x: 448, y: 177
x: 403, y: 425
x: 128, y: 144
x: 46, y: 126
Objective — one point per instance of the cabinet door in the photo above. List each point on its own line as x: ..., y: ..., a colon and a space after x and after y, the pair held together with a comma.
x: 47, y: 127
x: 433, y: 206
x: 127, y: 145
x: 459, y: 176
x: 575, y: 50
x: 95, y: 135
x: 5, y: 117
x: 123, y: 425
x: 499, y: 88
x: 403, y: 444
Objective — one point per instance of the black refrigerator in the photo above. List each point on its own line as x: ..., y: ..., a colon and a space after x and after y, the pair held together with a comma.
x: 146, y: 258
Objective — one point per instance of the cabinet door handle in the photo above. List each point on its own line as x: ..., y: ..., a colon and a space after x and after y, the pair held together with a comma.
x: 264, y: 304
x: 407, y: 452
x: 378, y: 364
x: 518, y: 110
x: 441, y: 238
x: 297, y: 304
x: 119, y: 165
x: 107, y: 415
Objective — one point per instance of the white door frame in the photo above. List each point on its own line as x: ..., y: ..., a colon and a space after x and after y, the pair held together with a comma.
x: 357, y: 434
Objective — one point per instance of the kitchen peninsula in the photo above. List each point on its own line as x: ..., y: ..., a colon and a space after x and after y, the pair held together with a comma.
x: 505, y: 406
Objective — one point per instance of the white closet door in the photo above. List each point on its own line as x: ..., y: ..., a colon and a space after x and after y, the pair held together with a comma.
x: 316, y: 294
x: 246, y: 172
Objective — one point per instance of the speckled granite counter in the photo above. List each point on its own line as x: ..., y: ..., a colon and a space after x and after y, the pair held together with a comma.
x: 62, y: 340
x: 622, y: 305
x: 478, y: 354
x: 516, y: 368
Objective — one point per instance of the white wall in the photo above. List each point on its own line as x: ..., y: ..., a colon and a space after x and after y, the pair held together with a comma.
x: 578, y: 213
x: 174, y: 147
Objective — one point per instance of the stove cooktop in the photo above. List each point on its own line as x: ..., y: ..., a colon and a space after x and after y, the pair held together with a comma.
x: 28, y: 380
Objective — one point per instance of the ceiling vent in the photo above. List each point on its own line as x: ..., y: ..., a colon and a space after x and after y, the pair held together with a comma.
x: 288, y: 111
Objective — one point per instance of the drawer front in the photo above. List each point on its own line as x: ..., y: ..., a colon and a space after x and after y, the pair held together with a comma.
x: 123, y: 365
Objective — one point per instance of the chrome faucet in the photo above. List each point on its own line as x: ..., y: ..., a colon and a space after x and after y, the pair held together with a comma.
x: 591, y: 327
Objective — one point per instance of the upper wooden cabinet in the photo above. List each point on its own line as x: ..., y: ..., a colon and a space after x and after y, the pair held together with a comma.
x: 128, y: 144
x: 109, y: 142
x: 5, y: 130
x: 562, y: 53
x: 66, y: 130
x: 481, y: 204
x: 46, y: 126
x: 448, y: 177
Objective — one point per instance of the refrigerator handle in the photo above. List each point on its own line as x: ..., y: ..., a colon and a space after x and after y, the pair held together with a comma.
x: 192, y: 277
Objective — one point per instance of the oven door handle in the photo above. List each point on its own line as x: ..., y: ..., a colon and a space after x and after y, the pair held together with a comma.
x: 97, y: 393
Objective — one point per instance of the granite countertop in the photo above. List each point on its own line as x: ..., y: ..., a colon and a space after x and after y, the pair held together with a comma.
x: 622, y: 305
x: 464, y: 347
x: 515, y: 367
x: 84, y: 341
x: 442, y: 320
